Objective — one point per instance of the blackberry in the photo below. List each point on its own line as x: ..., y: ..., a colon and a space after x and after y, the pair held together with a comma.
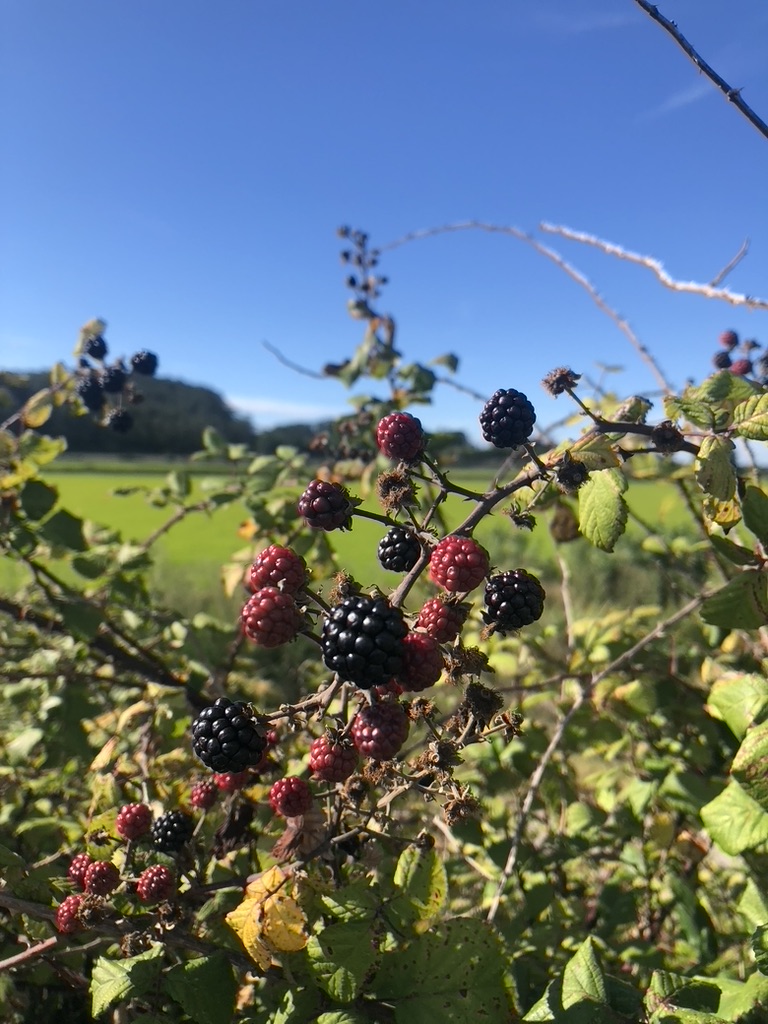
x: 77, y: 869
x: 422, y: 663
x: 507, y: 418
x: 204, y: 795
x: 271, y: 617
x: 290, y: 797
x: 399, y: 550
x: 326, y: 506
x: 380, y: 730
x: 101, y: 878
x: 458, y: 564
x: 362, y: 640
x: 278, y: 567
x: 721, y: 360
x: 133, y: 821
x: 441, y: 620
x: 144, y: 362
x: 400, y: 436
x: 96, y: 347
x: 155, y: 884
x: 225, y: 737
x: 67, y: 914
x: 729, y: 340
x: 332, y: 760
x: 230, y: 782
x: 113, y: 379
x: 119, y: 420
x: 513, y: 599
x: 91, y: 393
x: 742, y: 367
x: 171, y: 831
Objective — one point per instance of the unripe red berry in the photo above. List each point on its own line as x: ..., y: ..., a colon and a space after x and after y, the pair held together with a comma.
x: 101, y: 878
x: 155, y: 884
x: 458, y: 564
x: 133, y: 821
x: 204, y: 795
x: 77, y: 869
x: 290, y: 797
x: 422, y: 662
x: 67, y: 920
x: 271, y: 617
x: 231, y: 782
x: 278, y: 567
x: 400, y: 436
x: 332, y: 760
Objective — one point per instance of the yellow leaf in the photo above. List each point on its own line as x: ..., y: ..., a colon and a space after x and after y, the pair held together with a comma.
x: 251, y: 938
x: 284, y: 924
x: 266, y: 884
x: 37, y: 409
x: 237, y: 918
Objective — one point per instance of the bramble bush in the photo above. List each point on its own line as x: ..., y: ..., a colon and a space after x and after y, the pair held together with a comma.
x: 479, y: 794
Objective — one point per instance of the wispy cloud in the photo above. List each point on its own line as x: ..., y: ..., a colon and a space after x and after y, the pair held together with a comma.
x: 274, y: 411
x: 694, y: 93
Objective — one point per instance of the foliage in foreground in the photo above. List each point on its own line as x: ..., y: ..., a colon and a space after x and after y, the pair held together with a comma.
x: 576, y: 828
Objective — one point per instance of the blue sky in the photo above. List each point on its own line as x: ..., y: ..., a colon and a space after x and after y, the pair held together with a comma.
x: 180, y: 169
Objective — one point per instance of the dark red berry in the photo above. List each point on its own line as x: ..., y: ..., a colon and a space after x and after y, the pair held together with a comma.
x: 742, y: 367
x: 729, y: 340
x: 67, y: 914
x: 101, y: 878
x: 441, y: 620
x: 513, y: 599
x: 231, y: 782
x: 204, y: 795
x: 379, y: 730
x: 77, y: 869
x: 290, y: 797
x: 400, y: 436
x: 458, y: 564
x: 156, y: 884
x: 278, y: 567
x: 271, y: 617
x: 332, y: 760
x: 133, y: 821
x: 326, y: 506
x: 422, y: 662
x: 507, y: 418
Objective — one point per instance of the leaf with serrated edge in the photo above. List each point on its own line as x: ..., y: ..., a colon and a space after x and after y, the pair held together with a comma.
x: 583, y: 978
x: 755, y: 510
x: 741, y: 604
x: 715, y: 472
x: 738, y: 701
x: 750, y: 765
x: 734, y: 821
x: 602, y: 509
x: 750, y: 418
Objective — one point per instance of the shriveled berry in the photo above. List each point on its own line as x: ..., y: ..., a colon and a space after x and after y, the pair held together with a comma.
x: 458, y: 564
x: 155, y: 884
x: 278, y: 567
x: 172, y: 831
x: 133, y: 821
x: 507, y: 418
x: 67, y: 914
x: 144, y: 362
x: 422, y: 662
x: 326, y: 506
x: 77, y: 869
x: 101, y: 878
x: 204, y: 795
x: 513, y: 599
x: 400, y: 436
x: 290, y: 797
x: 271, y: 617
x: 362, y: 640
x: 226, y: 738
x: 442, y: 620
x: 332, y: 760
x: 399, y: 549
x: 379, y: 730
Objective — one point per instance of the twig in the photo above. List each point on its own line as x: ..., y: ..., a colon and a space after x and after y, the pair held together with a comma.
x: 31, y: 953
x: 656, y: 268
x: 732, y: 95
x: 291, y: 365
x: 743, y: 250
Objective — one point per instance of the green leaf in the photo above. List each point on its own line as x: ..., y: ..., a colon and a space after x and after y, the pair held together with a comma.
x: 583, y: 977
x: 213, y: 442
x: 83, y: 620
x: 750, y: 418
x: 354, y: 902
x: 669, y: 991
x: 715, y: 472
x: 753, y: 905
x: 179, y: 484
x: 342, y: 1017
x: 738, y: 998
x: 754, y: 506
x: 739, y: 702
x: 205, y: 988
x: 734, y: 821
x: 64, y: 530
x: 733, y: 552
x: 420, y: 875
x: 741, y: 604
x: 602, y: 509
x: 760, y: 948
x: 113, y: 981
x: 37, y: 499
x: 451, y: 974
x: 750, y: 766
x: 449, y: 361
x: 37, y: 409
x: 341, y: 956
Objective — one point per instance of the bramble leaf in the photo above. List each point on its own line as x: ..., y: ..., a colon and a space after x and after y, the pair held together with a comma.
x: 602, y: 509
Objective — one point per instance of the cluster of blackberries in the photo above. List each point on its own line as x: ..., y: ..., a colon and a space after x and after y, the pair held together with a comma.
x: 98, y: 385
x: 740, y: 357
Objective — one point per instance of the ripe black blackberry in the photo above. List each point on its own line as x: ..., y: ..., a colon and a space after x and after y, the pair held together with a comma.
x: 113, y: 379
x: 721, y: 360
x: 96, y: 347
x: 225, y: 737
x: 362, y: 640
x: 144, y: 362
x: 507, y: 418
x: 513, y: 599
x: 171, y: 831
x: 119, y: 420
x: 91, y: 393
x: 399, y: 549
x: 326, y: 506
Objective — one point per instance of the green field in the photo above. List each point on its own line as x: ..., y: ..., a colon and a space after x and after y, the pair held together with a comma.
x: 188, y: 559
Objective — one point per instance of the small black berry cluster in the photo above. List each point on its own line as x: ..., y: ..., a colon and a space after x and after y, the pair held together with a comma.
x: 741, y: 358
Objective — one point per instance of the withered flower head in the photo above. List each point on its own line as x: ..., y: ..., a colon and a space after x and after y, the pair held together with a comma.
x: 395, y: 490
x: 558, y: 381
